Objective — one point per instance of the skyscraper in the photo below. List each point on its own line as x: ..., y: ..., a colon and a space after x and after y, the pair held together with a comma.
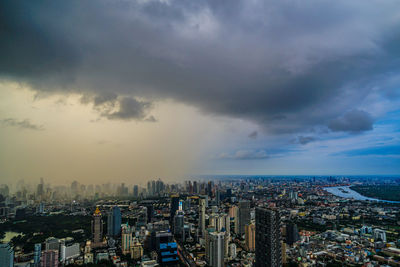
x: 97, y: 228
x: 36, y: 255
x: 179, y: 225
x: 6, y: 255
x: 202, y: 216
x: 135, y: 191
x: 49, y: 258
x: 250, y: 236
x: 174, y: 207
x: 127, y: 240
x: 216, y: 249
x: 292, y: 234
x: 52, y: 243
x: 114, y: 222
x: 244, y: 215
x: 268, y: 238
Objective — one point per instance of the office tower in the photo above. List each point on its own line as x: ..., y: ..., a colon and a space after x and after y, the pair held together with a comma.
x: 37, y: 252
x: 135, y: 191
x: 40, y: 189
x: 114, y: 222
x: 153, y: 188
x: 69, y: 251
x: 6, y: 255
x: 216, y: 249
x: 52, y: 243
x: 174, y: 207
x: 244, y: 215
x: 127, y: 240
x: 292, y: 234
x: 179, y: 225
x: 209, y: 188
x: 149, y: 212
x: 195, y: 187
x: 49, y: 258
x: 167, y: 250
x: 268, y: 238
x: 250, y: 236
x: 218, y: 197
x: 97, y: 228
x: 202, y: 216
x: 149, y: 193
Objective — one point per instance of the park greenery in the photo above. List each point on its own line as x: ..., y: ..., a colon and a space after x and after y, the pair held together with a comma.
x: 383, y: 192
x: 36, y: 229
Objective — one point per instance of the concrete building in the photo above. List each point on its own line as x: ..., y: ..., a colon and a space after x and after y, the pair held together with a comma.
x: 37, y: 253
x: 216, y: 249
x: 202, y: 216
x: 114, y: 222
x: 49, y: 258
x: 127, y: 240
x: 250, y: 236
x: 268, y: 238
x: 6, y: 255
x: 244, y: 216
x: 97, y: 228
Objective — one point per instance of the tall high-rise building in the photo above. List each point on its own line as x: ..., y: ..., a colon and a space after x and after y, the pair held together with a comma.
x: 250, y: 236
x: 292, y: 234
x: 174, y: 207
x: 179, y: 225
x: 114, y: 222
x: 6, y: 255
x: 149, y: 191
x: 127, y: 240
x: 216, y: 249
x: 202, y: 216
x: 37, y: 254
x: 244, y: 216
x: 97, y: 228
x: 52, y: 243
x: 136, y: 191
x: 49, y: 258
x: 268, y: 238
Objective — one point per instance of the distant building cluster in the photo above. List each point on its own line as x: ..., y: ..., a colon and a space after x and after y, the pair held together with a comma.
x: 233, y: 222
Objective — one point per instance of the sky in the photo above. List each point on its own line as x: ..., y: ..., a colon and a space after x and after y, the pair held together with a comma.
x: 131, y: 90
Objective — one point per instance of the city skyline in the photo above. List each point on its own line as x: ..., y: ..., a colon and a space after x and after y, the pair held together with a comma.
x: 143, y: 90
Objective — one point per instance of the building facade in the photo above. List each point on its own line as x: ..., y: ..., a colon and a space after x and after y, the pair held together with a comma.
x: 268, y: 238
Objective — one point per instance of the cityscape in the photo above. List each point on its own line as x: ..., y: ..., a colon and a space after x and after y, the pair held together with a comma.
x: 250, y: 221
x: 199, y: 133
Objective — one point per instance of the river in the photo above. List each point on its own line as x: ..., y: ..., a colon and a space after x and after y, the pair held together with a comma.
x: 346, y: 192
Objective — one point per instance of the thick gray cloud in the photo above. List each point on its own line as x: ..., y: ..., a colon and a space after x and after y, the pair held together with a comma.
x: 22, y: 124
x: 354, y: 121
x: 285, y: 65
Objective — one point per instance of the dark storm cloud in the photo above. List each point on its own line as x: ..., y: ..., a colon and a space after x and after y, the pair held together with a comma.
x: 285, y: 65
x: 22, y: 124
x: 354, y: 121
x: 129, y: 108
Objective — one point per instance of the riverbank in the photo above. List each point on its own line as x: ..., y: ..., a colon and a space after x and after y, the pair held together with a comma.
x: 347, y: 192
x: 381, y: 192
